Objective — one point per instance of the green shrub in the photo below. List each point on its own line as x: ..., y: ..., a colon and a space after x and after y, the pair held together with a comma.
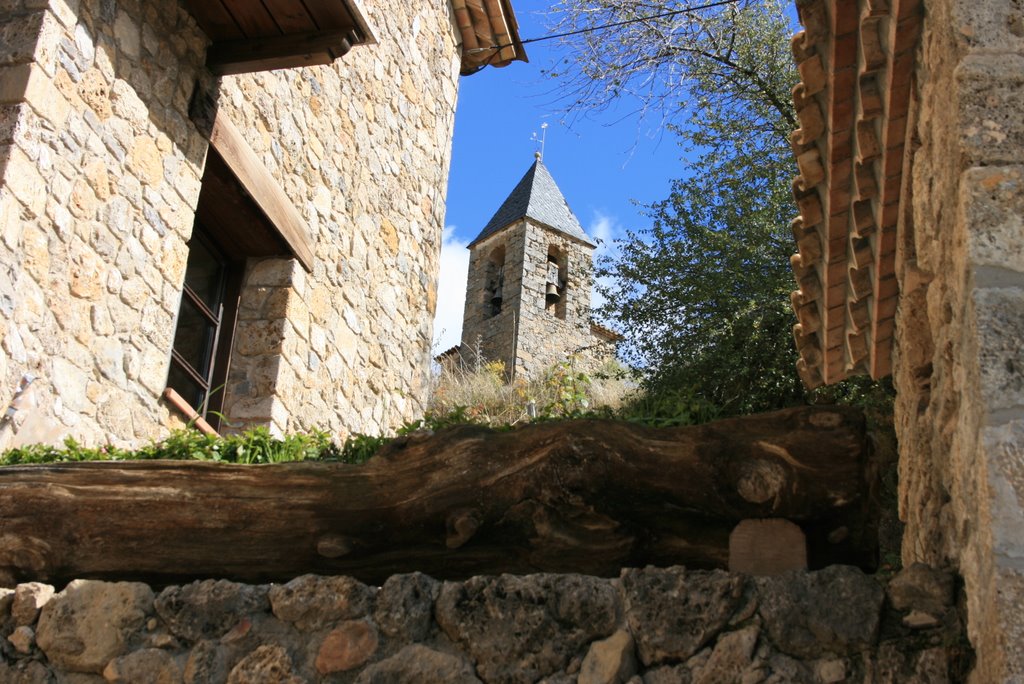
x: 251, y: 447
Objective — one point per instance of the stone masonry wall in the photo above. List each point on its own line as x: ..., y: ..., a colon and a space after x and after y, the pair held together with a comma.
x: 650, y: 626
x: 492, y: 337
x: 546, y: 339
x: 362, y: 148
x: 99, y: 175
x: 959, y: 361
x: 100, y: 170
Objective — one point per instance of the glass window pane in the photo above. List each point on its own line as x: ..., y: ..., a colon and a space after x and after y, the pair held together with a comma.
x: 184, y: 385
x: 204, y: 274
x: 193, y: 338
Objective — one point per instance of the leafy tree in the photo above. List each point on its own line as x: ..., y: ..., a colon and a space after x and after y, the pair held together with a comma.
x: 703, y: 292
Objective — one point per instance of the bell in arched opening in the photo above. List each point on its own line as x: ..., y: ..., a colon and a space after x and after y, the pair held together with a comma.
x: 551, y: 295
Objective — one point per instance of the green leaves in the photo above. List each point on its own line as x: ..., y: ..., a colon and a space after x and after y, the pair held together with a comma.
x: 703, y: 291
x: 252, y: 447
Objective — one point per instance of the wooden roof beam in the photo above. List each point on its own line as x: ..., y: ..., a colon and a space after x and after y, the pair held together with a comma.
x: 246, y: 55
x: 263, y: 188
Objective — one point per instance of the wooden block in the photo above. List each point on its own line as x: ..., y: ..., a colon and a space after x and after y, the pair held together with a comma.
x: 263, y: 188
x: 767, y: 547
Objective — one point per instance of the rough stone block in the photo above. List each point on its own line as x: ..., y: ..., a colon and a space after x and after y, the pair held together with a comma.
x: 146, y: 665
x: 999, y: 313
x: 990, y: 25
x: 697, y: 605
x: 520, y: 629
x: 767, y: 547
x: 346, y: 647
x: 405, y: 606
x: 208, y: 609
x: 29, y: 599
x: 836, y: 610
x: 993, y: 204
x: 1010, y: 628
x: 1004, y: 448
x: 23, y: 639
x: 418, y: 663
x: 83, y: 627
x: 266, y: 664
x: 312, y: 602
x: 609, y: 661
x: 991, y: 99
x: 19, y: 34
x: 22, y: 179
x: 920, y: 587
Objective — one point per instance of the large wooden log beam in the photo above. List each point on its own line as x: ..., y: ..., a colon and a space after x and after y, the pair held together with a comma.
x: 586, y: 496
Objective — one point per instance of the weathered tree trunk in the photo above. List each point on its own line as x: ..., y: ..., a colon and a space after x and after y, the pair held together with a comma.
x: 587, y: 496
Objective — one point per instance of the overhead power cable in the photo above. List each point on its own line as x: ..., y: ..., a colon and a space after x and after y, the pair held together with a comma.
x: 614, y: 24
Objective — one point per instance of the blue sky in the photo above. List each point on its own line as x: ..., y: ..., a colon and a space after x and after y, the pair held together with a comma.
x: 601, y: 161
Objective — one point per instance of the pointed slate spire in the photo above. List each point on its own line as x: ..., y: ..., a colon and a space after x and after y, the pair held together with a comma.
x: 538, y: 198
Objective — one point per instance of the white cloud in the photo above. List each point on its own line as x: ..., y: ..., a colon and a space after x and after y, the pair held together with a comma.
x: 451, y: 291
x: 604, y: 229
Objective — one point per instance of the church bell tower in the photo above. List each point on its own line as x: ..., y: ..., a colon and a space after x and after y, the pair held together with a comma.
x: 530, y: 276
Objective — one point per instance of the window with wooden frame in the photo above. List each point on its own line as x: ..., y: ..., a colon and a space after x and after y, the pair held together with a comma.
x: 242, y: 212
x: 201, y: 351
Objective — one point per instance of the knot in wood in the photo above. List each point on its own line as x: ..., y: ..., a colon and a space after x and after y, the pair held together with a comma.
x: 760, y: 481
x: 333, y: 546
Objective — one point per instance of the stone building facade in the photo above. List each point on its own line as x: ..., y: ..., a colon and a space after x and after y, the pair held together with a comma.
x: 132, y: 131
x: 528, y: 289
x: 911, y: 260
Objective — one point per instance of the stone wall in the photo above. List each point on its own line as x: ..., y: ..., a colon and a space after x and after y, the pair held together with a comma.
x: 651, y: 626
x: 959, y: 361
x: 100, y: 172
x: 362, y: 148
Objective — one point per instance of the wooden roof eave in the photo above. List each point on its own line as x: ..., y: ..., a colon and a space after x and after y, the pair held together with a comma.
x: 249, y: 35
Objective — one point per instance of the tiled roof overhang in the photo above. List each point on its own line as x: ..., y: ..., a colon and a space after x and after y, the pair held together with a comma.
x: 856, y: 64
x: 490, y: 34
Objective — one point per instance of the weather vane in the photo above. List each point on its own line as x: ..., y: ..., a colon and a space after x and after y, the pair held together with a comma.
x: 539, y: 154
